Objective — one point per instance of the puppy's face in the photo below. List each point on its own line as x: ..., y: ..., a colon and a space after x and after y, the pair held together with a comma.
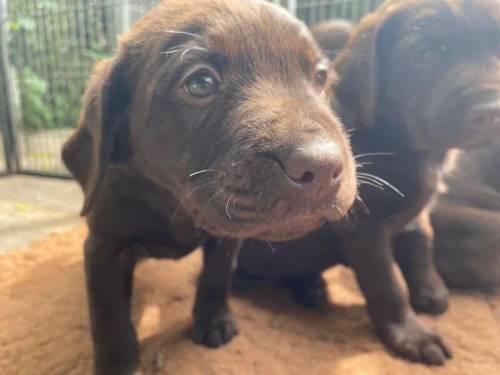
x: 230, y: 114
x: 442, y: 72
x: 429, y: 67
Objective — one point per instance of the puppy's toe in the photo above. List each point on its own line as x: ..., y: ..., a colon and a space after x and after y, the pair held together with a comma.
x: 430, y: 298
x: 416, y: 342
x: 216, y: 331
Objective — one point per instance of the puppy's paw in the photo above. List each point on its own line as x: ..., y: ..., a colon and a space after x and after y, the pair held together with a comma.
x: 416, y: 342
x: 122, y: 358
x: 310, y: 291
x: 215, y: 331
x: 429, y: 296
x: 106, y: 369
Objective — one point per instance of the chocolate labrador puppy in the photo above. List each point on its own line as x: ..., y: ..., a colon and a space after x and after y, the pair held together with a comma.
x: 466, y: 220
x: 418, y: 78
x: 210, y: 125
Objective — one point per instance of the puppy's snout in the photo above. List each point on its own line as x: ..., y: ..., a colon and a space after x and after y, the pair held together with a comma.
x: 313, y: 167
x: 486, y: 115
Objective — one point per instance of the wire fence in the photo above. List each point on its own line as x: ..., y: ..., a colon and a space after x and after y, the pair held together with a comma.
x: 52, y: 46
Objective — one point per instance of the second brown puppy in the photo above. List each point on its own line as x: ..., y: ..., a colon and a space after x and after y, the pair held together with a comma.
x: 417, y: 79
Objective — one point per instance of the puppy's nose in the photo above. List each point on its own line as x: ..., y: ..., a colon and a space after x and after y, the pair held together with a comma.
x: 486, y: 115
x: 314, y: 167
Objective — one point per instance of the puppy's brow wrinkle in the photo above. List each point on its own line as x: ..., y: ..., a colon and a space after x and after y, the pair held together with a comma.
x: 195, y: 48
x: 184, y: 50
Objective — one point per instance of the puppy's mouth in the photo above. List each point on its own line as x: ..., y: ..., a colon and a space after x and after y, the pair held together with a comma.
x: 255, y: 197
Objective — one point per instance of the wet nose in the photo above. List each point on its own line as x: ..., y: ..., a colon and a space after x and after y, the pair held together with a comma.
x: 314, y: 167
x: 486, y: 115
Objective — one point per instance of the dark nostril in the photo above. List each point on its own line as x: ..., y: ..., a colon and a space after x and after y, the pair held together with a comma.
x: 337, y: 173
x: 306, y: 178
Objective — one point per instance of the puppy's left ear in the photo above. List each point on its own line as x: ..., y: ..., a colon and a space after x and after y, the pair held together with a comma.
x: 332, y: 35
x: 102, y: 133
x: 359, y: 66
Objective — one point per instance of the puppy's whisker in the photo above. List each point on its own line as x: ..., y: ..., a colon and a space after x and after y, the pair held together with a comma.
x: 195, y: 48
x: 363, y: 178
x: 363, y: 205
x: 197, y: 173
x: 181, y: 33
x: 336, y: 208
x: 205, y: 207
x: 227, y: 207
x: 171, y: 51
x: 361, y: 165
x: 347, y: 52
x: 382, y: 181
x: 362, y: 182
x: 183, y: 51
x: 374, y: 154
x: 186, y: 197
x: 270, y: 245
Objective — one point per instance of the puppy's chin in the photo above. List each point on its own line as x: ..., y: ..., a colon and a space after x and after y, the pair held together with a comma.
x: 290, y: 230
x: 277, y: 231
x: 265, y: 227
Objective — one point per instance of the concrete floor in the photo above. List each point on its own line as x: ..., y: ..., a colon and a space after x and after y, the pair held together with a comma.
x: 33, y: 207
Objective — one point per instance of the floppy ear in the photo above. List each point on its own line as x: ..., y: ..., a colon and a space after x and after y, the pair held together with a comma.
x: 332, y: 35
x: 359, y: 68
x: 102, y: 133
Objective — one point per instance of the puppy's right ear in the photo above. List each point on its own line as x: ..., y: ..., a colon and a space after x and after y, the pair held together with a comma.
x: 359, y: 68
x: 104, y: 118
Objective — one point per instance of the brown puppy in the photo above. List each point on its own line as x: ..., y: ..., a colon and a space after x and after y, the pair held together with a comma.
x: 210, y: 125
x: 466, y: 221
x: 420, y: 77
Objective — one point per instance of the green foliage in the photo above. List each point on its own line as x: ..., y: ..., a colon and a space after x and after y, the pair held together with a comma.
x: 42, y: 108
x: 35, y: 112
x: 52, y: 60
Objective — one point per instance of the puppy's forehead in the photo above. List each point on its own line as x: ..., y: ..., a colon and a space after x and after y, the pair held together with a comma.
x: 256, y: 32
x: 454, y: 18
x: 263, y: 34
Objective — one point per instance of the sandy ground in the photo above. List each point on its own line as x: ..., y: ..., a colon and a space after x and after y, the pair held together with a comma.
x: 33, y: 207
x: 44, y: 329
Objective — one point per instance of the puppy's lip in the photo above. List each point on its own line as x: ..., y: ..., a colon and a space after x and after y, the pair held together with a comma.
x: 286, y: 231
x: 248, y: 223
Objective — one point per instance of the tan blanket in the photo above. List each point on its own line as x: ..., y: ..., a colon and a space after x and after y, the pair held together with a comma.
x: 44, y: 328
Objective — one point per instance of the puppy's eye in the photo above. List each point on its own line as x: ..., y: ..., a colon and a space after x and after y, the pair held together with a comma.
x: 321, y: 76
x: 202, y: 84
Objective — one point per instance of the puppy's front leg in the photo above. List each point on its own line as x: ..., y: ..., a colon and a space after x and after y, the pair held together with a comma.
x: 414, y: 252
x: 370, y: 254
x: 213, y: 323
x: 109, y: 284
